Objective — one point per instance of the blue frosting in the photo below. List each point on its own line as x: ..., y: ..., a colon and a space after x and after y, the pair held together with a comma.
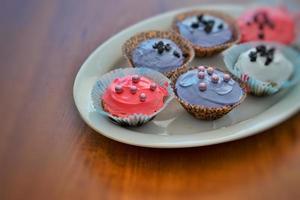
x: 199, y: 37
x: 146, y: 56
x: 216, y: 94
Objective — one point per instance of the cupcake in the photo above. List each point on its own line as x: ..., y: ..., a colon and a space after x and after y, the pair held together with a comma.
x: 131, y: 97
x: 207, y: 93
x: 267, y: 24
x: 264, y: 67
x: 158, y: 50
x: 209, y: 32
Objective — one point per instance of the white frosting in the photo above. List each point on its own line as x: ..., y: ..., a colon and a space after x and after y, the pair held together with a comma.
x: 278, y: 71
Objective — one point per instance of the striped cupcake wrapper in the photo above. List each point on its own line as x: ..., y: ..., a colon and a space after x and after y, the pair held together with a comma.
x: 135, y: 119
x: 254, y: 86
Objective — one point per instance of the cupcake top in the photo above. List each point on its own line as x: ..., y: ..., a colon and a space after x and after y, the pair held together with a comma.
x: 205, y: 30
x: 208, y: 87
x: 159, y: 54
x: 265, y: 63
x: 133, y: 94
x: 268, y: 24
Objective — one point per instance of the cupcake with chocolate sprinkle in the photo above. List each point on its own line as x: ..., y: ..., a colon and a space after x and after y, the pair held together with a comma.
x: 158, y: 50
x: 209, y: 32
x: 267, y: 24
x: 265, y: 67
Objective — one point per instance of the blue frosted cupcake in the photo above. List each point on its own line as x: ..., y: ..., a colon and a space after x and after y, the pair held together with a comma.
x: 209, y: 32
x: 207, y: 93
x: 161, y: 51
x: 266, y: 68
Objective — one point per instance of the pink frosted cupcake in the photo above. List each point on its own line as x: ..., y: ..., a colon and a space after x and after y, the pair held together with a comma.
x: 267, y: 24
x: 131, y: 96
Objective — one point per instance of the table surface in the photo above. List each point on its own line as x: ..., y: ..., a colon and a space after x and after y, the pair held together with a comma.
x: 48, y: 152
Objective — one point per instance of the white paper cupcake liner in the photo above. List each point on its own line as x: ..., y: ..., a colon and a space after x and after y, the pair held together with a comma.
x: 257, y: 87
x: 135, y: 119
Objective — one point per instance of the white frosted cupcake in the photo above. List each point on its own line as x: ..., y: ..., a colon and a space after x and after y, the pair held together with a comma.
x: 264, y: 67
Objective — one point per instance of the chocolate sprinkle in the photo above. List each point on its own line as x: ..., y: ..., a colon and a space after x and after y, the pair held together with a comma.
x: 208, y: 28
x: 195, y: 25
x: 208, y: 24
x: 200, y: 17
x: 261, y: 36
x: 253, y: 56
x: 264, y: 52
x: 261, y: 48
x: 160, y: 50
x: 211, y: 22
x: 161, y: 47
x: 168, y: 47
x: 261, y: 26
x: 160, y: 43
x: 176, y: 54
x: 268, y: 61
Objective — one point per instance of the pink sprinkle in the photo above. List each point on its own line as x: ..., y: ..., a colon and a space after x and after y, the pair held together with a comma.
x: 210, y: 70
x: 201, y: 75
x: 153, y: 86
x: 201, y: 68
x: 133, y: 89
x: 143, y: 97
x: 215, y: 78
x: 226, y: 77
x: 135, y: 78
x: 118, y: 89
x: 202, y: 87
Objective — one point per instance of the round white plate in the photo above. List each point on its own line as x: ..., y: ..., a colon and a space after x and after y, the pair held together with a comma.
x: 174, y: 127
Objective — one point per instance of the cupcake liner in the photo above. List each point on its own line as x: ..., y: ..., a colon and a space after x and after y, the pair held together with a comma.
x: 135, y: 119
x: 209, y: 51
x: 204, y: 112
x: 257, y: 87
x: 134, y: 41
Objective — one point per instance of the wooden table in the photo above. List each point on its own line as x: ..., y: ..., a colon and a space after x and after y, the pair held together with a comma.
x: 48, y: 152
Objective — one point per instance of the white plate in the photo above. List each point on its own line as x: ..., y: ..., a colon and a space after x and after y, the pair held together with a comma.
x: 174, y: 127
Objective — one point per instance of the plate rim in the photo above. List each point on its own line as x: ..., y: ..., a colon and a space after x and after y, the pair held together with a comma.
x: 285, y: 114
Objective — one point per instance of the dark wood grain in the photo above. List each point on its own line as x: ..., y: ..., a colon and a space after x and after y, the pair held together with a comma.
x: 47, y: 152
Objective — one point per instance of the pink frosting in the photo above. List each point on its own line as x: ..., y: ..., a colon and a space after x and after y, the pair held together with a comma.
x: 283, y: 30
x: 145, y: 98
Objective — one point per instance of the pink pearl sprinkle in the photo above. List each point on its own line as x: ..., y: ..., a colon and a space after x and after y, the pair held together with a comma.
x: 133, y: 89
x: 226, y: 77
x: 153, y: 86
x: 118, y: 89
x: 143, y: 97
x: 201, y: 68
x: 202, y: 87
x: 210, y: 70
x: 201, y: 75
x: 135, y: 78
x: 215, y: 78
